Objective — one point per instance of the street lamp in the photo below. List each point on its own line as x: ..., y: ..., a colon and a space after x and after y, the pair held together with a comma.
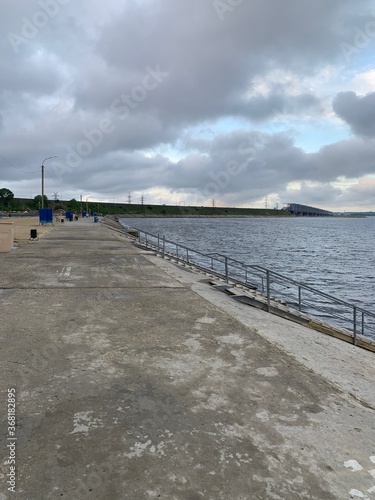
x: 45, y: 159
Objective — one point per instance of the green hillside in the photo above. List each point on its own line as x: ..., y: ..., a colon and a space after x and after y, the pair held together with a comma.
x: 126, y: 209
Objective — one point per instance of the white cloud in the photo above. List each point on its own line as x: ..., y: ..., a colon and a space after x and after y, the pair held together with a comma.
x: 364, y: 82
x: 262, y: 73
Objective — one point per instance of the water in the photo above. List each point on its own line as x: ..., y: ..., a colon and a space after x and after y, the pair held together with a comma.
x: 334, y: 255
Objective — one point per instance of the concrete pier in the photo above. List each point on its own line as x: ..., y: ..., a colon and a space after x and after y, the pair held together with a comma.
x: 136, y: 380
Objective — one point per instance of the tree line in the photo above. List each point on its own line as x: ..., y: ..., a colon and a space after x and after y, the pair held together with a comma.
x: 8, y: 203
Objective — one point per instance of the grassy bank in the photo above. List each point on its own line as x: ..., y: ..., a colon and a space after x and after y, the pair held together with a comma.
x: 126, y: 209
x: 186, y: 211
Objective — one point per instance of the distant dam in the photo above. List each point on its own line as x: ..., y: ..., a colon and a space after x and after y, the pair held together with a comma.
x: 306, y: 211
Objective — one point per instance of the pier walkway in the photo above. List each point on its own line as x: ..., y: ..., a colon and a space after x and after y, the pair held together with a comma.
x: 135, y: 379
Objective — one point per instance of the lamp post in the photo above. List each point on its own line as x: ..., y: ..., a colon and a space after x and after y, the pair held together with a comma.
x: 45, y: 159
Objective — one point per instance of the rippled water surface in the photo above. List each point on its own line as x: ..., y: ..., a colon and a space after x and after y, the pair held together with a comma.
x: 335, y: 255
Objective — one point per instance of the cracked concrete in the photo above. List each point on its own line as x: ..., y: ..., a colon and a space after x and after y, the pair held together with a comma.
x: 136, y: 380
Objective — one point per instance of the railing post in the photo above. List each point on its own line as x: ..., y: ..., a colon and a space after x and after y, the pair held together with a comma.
x: 359, y: 321
x: 363, y: 323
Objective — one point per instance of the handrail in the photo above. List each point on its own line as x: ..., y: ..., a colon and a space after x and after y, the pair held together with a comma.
x: 232, y: 270
x: 292, y: 281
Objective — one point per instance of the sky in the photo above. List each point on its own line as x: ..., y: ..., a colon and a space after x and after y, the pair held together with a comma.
x: 246, y: 103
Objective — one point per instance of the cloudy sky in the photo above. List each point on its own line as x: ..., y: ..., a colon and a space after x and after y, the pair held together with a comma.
x: 189, y: 101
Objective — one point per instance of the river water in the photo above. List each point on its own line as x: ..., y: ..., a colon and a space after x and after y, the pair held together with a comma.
x: 334, y: 255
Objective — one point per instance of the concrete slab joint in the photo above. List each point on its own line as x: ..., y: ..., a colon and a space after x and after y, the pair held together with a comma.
x: 134, y: 379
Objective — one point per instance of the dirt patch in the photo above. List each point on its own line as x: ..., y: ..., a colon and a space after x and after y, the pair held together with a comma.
x: 23, y: 225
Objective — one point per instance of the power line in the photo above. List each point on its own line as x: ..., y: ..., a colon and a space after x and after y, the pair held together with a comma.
x: 17, y: 168
x: 53, y: 180
x: 30, y: 171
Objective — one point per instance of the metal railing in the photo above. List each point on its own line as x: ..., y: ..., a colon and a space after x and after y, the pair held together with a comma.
x: 272, y: 285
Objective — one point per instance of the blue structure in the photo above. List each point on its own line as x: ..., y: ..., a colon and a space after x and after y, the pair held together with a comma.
x: 45, y: 216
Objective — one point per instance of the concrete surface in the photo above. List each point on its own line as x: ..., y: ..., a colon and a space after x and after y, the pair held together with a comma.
x: 135, y: 380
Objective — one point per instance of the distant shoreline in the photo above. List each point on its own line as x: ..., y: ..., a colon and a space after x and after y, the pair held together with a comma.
x: 229, y: 216
x: 190, y: 216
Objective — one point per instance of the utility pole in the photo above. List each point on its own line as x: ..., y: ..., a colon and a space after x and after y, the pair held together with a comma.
x: 129, y: 198
x: 213, y: 202
x: 45, y: 159
x: 42, y: 186
x: 142, y: 202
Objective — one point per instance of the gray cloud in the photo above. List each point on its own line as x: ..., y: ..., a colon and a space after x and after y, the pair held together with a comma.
x: 239, y: 167
x: 357, y: 111
x: 213, y: 63
x: 84, y: 76
x: 261, y: 108
x: 267, y: 164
